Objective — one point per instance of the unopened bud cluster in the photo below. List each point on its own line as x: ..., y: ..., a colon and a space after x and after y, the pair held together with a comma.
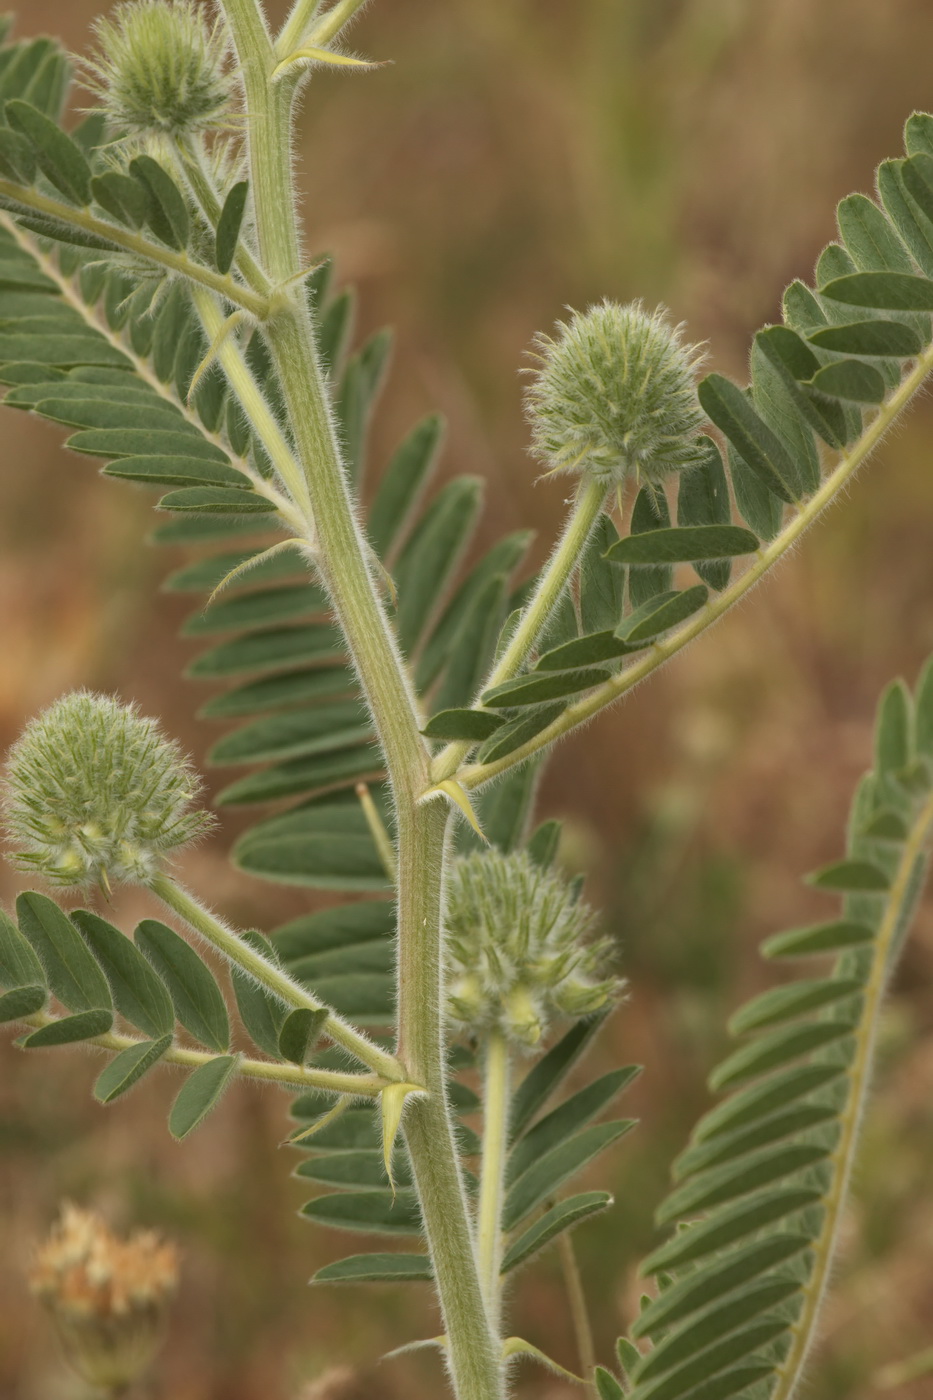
x: 160, y: 70
x: 106, y: 1295
x: 520, y: 948
x: 615, y: 396
x: 94, y: 792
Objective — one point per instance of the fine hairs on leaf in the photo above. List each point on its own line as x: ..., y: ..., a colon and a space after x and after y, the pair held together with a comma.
x: 390, y: 690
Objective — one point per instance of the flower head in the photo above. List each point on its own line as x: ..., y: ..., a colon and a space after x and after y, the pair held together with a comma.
x: 93, y: 790
x: 519, y: 949
x: 615, y: 396
x: 108, y: 1296
x: 160, y: 69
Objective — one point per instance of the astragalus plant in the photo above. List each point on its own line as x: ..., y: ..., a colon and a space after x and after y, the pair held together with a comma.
x: 157, y: 300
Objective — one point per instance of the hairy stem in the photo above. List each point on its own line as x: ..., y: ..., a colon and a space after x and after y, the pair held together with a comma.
x: 476, y: 774
x: 344, y: 568
x: 130, y: 242
x: 554, y: 578
x: 266, y: 1071
x: 277, y: 981
x: 492, y: 1172
x: 579, y: 1313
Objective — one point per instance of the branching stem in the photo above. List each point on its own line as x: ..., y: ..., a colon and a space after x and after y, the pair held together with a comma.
x: 265, y: 972
x: 475, y: 775
x: 579, y: 1313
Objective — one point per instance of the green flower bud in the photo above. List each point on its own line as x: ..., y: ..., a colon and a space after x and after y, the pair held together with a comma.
x: 615, y: 396
x: 160, y: 69
x: 519, y: 948
x: 95, y: 792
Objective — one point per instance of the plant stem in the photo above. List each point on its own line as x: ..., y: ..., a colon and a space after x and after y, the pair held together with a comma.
x: 554, y: 578
x: 344, y: 568
x: 492, y: 1172
x: 475, y: 775
x: 130, y: 242
x: 381, y: 837
x: 266, y: 1071
x: 239, y: 952
x: 579, y: 1313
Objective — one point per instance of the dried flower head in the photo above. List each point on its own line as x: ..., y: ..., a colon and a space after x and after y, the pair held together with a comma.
x: 94, y: 791
x: 107, y: 1296
x: 520, y: 949
x: 615, y: 396
x: 160, y: 69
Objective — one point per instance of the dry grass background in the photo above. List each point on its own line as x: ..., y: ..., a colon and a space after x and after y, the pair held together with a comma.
x: 518, y: 156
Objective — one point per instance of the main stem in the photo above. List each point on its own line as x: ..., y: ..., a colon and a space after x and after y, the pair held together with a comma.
x: 421, y: 827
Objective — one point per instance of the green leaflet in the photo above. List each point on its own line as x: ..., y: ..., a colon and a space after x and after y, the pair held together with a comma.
x: 122, y: 197
x: 542, y: 1178
x: 138, y: 994
x: 372, y: 1212
x: 573, y: 1114
x: 377, y: 1268
x: 904, y: 214
x: 817, y: 939
x: 223, y: 500
x: 167, y: 214
x: 650, y: 512
x: 83, y: 1025
x: 660, y: 614
x: 262, y: 1013
x: 850, y: 875
x: 882, y: 291
x: 320, y: 729
x: 728, y: 1317
x: 723, y: 1183
x: 473, y: 647
x: 345, y: 927
x: 19, y: 966
x: 195, y: 994
x: 536, y: 689
x: 58, y: 157
x: 348, y: 1171
x: 73, y: 974
x: 544, y: 843
x: 259, y: 608
x: 776, y: 1127
x: 402, y: 483
x: 359, y: 389
x: 270, y: 650
x: 778, y: 1048
x: 200, y: 1093
x: 729, y: 1226
x: 690, y: 544
x: 428, y: 559
x: 474, y: 725
x: 753, y: 440
x: 793, y: 361
x: 585, y: 651
x: 602, y: 584
x: 549, y: 1072
x: 335, y: 328
x: 703, y: 499
x: 298, y: 1034
x: 128, y: 1068
x: 17, y: 157
x: 850, y: 380
x: 773, y: 1093
x: 607, y: 1387
x: 787, y: 1003
x: 229, y: 225
x: 552, y: 1223
x: 176, y: 471
x: 326, y: 843
x: 305, y: 776
x: 869, y: 238
x: 21, y: 1002
x: 518, y: 731
x: 869, y: 338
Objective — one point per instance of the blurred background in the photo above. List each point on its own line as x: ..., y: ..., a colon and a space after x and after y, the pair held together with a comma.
x: 519, y: 156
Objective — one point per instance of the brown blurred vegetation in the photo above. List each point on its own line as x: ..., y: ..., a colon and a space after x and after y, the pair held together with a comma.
x: 521, y: 155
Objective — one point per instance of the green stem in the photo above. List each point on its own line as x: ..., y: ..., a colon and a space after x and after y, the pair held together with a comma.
x: 330, y: 24
x: 131, y: 242
x: 344, y: 568
x: 492, y: 1172
x: 555, y: 576
x: 266, y: 1071
x: 475, y: 775
x: 265, y: 972
x: 579, y: 1313
x: 296, y: 26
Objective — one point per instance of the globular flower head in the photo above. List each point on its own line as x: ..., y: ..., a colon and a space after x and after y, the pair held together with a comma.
x: 107, y: 1295
x: 615, y: 396
x: 520, y: 948
x: 94, y: 792
x: 160, y: 69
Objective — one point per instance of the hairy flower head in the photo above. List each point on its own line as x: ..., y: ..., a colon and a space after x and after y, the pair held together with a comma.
x: 520, y: 949
x: 160, y: 69
x: 107, y: 1295
x: 615, y: 396
x: 94, y: 791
